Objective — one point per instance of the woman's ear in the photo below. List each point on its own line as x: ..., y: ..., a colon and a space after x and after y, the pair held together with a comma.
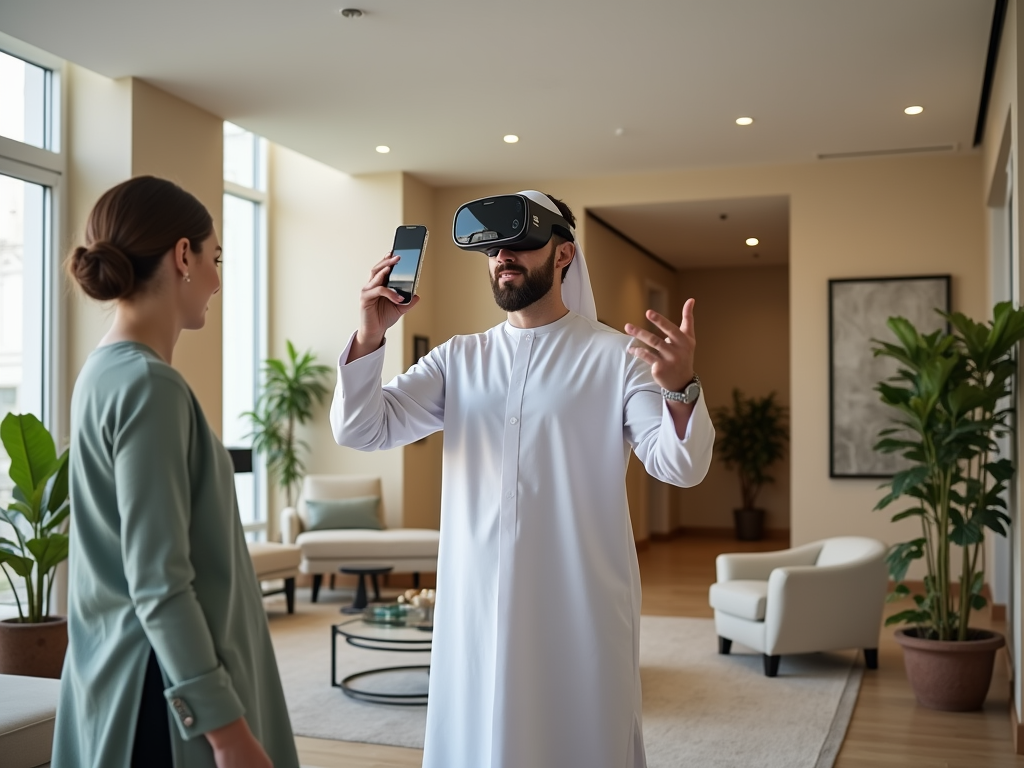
x: 182, y: 251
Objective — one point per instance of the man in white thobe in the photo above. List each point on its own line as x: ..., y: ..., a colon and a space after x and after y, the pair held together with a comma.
x: 535, y: 658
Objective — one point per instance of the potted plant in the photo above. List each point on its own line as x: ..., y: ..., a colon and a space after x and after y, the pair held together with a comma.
x: 34, y: 643
x: 949, y: 395
x: 290, y: 391
x: 751, y: 438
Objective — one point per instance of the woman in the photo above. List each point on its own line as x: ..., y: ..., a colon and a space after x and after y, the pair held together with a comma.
x: 169, y: 659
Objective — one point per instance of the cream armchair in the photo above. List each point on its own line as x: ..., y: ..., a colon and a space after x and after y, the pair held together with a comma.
x: 824, y: 596
x: 408, y: 550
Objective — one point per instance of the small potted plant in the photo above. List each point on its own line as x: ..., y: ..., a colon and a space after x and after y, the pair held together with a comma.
x: 34, y: 643
x: 751, y: 438
x: 290, y: 390
x: 949, y: 400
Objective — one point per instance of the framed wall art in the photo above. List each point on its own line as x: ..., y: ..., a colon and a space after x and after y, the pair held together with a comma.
x: 420, y: 347
x: 858, y: 310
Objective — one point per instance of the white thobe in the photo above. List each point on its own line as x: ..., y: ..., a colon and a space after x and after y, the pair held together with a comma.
x: 535, y: 658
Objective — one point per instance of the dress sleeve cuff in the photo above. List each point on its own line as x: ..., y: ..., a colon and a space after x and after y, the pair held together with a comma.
x: 204, y: 703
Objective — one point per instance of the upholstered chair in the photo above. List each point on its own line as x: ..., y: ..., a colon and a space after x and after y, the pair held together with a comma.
x: 824, y: 596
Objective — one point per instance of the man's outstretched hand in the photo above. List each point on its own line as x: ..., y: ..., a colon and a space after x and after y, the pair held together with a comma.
x: 670, y: 356
x: 379, y: 309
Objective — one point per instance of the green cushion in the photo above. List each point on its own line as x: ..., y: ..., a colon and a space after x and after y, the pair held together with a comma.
x: 328, y: 514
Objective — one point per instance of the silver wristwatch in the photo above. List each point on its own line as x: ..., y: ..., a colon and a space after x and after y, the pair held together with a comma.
x: 689, y: 394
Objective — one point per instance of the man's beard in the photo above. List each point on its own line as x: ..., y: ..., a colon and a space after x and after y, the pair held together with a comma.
x: 535, y: 286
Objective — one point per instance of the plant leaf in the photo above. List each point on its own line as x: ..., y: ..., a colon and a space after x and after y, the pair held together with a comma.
x: 49, y: 551
x: 19, y: 564
x: 31, y: 450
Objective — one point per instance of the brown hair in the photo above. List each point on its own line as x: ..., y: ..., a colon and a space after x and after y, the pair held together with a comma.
x: 129, y: 229
x: 567, y: 214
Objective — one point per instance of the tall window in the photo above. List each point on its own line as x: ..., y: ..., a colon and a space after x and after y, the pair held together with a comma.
x: 244, y: 303
x: 31, y: 167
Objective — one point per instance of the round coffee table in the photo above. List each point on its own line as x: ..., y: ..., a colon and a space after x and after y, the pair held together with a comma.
x: 373, y: 571
x: 381, y: 637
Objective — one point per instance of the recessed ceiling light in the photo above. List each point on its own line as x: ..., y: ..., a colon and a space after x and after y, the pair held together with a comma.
x: 351, y: 13
x: 744, y: 120
x: 511, y: 138
x: 752, y: 241
x: 914, y: 110
x: 383, y: 149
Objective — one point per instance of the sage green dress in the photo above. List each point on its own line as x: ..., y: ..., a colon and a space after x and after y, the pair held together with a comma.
x: 158, y: 561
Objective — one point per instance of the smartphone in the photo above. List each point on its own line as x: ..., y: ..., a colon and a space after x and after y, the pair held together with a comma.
x: 410, y: 245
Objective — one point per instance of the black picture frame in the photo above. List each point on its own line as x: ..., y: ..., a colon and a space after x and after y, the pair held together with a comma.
x: 420, y: 347
x: 858, y: 309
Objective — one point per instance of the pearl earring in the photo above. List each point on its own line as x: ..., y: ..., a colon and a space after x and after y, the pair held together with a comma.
x: 187, y: 278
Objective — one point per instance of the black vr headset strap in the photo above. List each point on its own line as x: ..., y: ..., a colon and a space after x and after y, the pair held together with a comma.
x: 555, y: 223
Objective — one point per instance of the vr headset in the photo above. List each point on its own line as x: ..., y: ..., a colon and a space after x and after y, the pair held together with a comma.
x: 514, y: 222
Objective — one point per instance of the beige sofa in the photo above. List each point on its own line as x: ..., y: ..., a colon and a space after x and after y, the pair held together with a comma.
x: 824, y: 596
x: 407, y: 550
x: 28, y: 709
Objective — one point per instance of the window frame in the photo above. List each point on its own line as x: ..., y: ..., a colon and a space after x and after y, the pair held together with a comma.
x: 47, y: 167
x: 258, y: 195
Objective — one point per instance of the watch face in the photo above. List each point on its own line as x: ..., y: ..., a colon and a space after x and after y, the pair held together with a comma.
x: 692, y: 392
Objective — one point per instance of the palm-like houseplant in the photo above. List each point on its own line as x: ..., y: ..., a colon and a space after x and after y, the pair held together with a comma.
x: 950, y: 395
x: 35, y: 642
x: 291, y: 389
x: 751, y: 438
x: 36, y: 514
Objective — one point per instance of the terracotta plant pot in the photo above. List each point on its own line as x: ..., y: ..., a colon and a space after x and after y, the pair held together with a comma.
x: 950, y: 675
x: 749, y: 524
x: 34, y: 650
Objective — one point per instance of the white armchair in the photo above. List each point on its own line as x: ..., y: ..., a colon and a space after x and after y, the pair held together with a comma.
x: 824, y: 596
x: 408, y: 550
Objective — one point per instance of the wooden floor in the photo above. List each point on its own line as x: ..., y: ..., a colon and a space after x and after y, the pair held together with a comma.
x: 888, y: 728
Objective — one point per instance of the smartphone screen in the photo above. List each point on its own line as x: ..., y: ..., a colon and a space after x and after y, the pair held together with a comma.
x: 410, y: 245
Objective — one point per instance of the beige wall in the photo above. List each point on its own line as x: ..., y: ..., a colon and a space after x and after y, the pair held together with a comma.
x: 860, y: 218
x: 123, y: 128
x: 174, y: 140
x: 422, y: 481
x: 326, y: 230
x: 742, y: 319
x: 99, y: 141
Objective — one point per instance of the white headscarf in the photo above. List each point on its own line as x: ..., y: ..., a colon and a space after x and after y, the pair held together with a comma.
x: 576, y: 291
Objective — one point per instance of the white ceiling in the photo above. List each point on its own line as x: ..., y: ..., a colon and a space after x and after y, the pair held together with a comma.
x: 694, y: 235
x: 441, y: 81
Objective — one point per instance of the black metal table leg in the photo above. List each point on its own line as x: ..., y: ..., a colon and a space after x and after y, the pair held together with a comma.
x: 360, y: 602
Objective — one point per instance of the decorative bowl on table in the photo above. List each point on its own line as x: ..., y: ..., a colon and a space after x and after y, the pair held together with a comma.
x: 396, y: 614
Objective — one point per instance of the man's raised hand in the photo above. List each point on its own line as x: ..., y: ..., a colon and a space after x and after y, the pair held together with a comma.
x: 379, y: 309
x: 670, y: 356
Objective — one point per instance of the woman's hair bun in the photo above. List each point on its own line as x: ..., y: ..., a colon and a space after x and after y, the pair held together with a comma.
x: 104, y: 271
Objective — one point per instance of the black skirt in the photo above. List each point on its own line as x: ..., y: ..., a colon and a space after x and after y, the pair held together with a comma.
x: 152, y: 748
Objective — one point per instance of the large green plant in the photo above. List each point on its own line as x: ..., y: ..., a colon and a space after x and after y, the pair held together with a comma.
x: 951, y: 400
x: 290, y: 391
x: 751, y: 438
x: 36, y: 513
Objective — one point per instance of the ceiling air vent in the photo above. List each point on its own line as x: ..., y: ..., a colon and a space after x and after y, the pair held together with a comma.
x: 884, y: 152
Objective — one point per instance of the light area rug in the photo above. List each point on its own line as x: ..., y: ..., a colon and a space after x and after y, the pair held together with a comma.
x: 700, y: 708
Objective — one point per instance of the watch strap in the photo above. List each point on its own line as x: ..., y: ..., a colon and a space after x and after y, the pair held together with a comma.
x: 687, y: 395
